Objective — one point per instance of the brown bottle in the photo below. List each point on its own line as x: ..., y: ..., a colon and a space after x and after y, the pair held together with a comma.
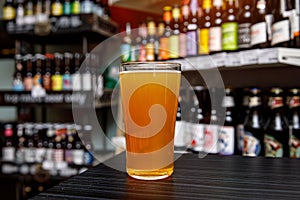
x: 244, y: 27
x: 164, y: 51
x: 296, y: 28
x: 276, y: 138
x: 226, y: 142
x: 281, y: 26
x: 215, y: 30
x: 293, y: 101
x: 28, y: 79
x: 259, y: 27
x: 47, y: 71
x: 253, y: 126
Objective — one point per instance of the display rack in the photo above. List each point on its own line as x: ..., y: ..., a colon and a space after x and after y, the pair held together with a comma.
x: 90, y: 30
x: 256, y: 58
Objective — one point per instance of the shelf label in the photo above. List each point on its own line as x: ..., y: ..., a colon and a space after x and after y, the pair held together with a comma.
x: 219, y: 59
x: 233, y: 60
x: 77, y: 98
x: 249, y: 57
x: 267, y: 56
x: 42, y: 97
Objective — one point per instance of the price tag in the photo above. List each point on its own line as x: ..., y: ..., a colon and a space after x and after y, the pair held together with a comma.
x: 37, y: 91
x: 219, y: 59
x: 249, y: 57
x: 233, y: 60
x: 267, y: 56
x: 202, y: 62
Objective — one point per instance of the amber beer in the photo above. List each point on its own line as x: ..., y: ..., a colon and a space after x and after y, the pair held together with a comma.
x: 149, y: 99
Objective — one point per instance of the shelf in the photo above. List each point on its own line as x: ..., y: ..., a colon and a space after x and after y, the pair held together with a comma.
x: 63, y: 98
x: 87, y: 25
x: 256, y: 58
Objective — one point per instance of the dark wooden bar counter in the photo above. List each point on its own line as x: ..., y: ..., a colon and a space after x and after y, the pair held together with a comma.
x: 212, y: 177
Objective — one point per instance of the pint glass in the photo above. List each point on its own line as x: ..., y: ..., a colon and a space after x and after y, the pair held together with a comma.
x: 149, y: 92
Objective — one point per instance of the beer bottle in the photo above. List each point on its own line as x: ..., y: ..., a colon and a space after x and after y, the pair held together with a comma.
x: 296, y: 24
x: 20, y: 156
x: 67, y: 79
x: 56, y: 78
x: 242, y: 112
x: 230, y: 27
x: 197, y: 143
x: 293, y: 102
x: 78, y: 151
x: 143, y: 43
x: 211, y: 129
x: 30, y: 148
x: 28, y: 79
x: 174, y: 37
x: 40, y: 62
x: 18, y: 77
x: 205, y: 24
x: 158, y: 34
x: 253, y: 126
x: 86, y: 6
x: 276, y: 137
x: 87, y: 75
x: 281, y: 26
x: 69, y: 145
x: 189, y: 108
x: 179, y: 142
x: 215, y: 31
x: 151, y: 30
x: 259, y: 27
x: 136, y: 43
x: 9, y: 11
x: 291, y: 13
x: 47, y: 72
x: 56, y: 8
x: 269, y: 19
x: 244, y: 26
x: 164, y: 51
x: 76, y: 76
x: 29, y: 10
x: 126, y: 44
x: 76, y: 7
x: 67, y: 7
x: 8, y: 150
x: 40, y: 151
x: 226, y: 141
x: 192, y: 28
x: 88, y: 145
x: 38, y: 7
x: 48, y: 164
x: 47, y: 7
x: 58, y: 152
x: 183, y: 29
x: 20, y: 13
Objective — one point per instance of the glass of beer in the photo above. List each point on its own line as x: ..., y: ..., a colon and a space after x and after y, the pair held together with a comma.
x: 149, y: 92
